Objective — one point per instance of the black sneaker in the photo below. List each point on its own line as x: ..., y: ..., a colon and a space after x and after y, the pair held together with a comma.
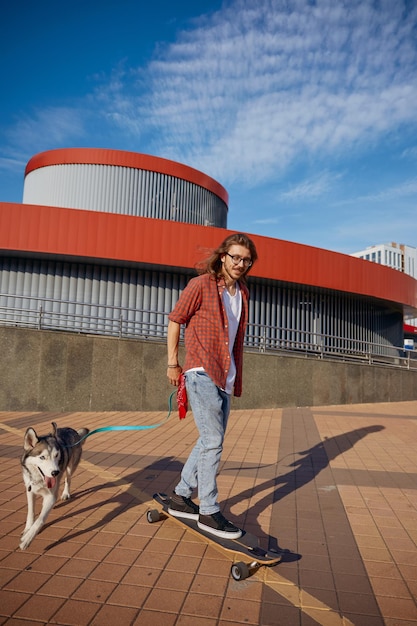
x: 179, y: 506
x: 218, y: 525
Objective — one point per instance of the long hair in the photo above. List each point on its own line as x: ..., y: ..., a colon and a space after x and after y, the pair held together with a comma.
x: 213, y: 265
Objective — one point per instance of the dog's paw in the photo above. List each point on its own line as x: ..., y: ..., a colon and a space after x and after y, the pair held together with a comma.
x: 25, y: 539
x: 66, y: 496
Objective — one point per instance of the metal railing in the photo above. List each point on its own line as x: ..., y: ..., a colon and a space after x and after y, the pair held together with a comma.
x: 100, y: 319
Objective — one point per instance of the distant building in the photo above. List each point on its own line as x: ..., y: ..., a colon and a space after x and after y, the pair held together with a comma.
x: 402, y: 258
x: 398, y: 256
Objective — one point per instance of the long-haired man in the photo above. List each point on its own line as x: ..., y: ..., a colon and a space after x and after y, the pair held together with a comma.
x: 214, y: 309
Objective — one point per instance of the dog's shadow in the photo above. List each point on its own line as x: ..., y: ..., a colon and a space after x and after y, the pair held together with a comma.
x: 123, y: 501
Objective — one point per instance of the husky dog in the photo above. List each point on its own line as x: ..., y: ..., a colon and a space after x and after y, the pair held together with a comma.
x: 44, y: 462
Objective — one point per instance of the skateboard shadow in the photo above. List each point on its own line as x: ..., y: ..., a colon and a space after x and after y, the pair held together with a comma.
x: 303, y: 470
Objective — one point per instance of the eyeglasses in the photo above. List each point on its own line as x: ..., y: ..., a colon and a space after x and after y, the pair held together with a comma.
x: 237, y: 259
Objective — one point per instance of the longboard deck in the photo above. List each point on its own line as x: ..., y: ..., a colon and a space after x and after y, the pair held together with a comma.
x: 247, y: 544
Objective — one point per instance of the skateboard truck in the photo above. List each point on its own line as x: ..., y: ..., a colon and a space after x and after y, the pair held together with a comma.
x: 241, y: 570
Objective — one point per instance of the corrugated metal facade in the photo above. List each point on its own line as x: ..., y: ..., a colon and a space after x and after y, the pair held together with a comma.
x: 124, y: 190
x: 93, y: 298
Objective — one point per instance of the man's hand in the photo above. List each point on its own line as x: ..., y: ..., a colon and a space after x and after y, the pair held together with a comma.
x: 173, y: 374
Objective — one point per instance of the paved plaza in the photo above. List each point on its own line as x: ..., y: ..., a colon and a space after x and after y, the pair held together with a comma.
x: 334, y: 487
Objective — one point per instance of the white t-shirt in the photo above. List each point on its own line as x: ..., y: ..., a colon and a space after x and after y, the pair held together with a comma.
x: 233, y: 306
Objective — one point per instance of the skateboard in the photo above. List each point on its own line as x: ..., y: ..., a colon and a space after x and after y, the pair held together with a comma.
x: 247, y: 545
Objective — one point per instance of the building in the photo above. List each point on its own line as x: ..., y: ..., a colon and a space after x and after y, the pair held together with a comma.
x: 105, y: 240
x: 398, y: 256
x: 403, y: 259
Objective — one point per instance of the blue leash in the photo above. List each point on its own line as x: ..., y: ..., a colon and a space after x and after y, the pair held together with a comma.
x: 104, y: 429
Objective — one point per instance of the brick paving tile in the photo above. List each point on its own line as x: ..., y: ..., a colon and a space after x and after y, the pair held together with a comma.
x: 151, y: 618
x: 76, y: 613
x: 202, y: 605
x: 244, y: 611
x: 164, y: 546
x: 309, y: 578
x: 391, y: 588
x: 106, y: 539
x: 271, y: 615
x: 250, y: 589
x: 121, y: 556
x: 36, y: 605
x: 109, y: 572
x: 214, y: 566
x: 90, y: 552
x: 192, y: 620
x: 412, y: 586
x: 152, y: 559
x: 60, y: 586
x: 398, y: 608
x: 130, y: 595
x: 366, y: 620
x: 409, y: 572
x: 361, y: 604
x: 6, y: 576
x: 94, y: 590
x: 191, y: 548
x: 10, y: 601
x: 212, y: 585
x: 170, y: 602
x: 184, y: 563
x: 79, y: 568
x: 17, y: 561
x: 142, y: 576
x: 108, y: 615
x: 176, y: 581
x: 27, y: 581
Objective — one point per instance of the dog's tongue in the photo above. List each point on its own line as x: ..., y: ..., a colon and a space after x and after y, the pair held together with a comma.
x: 50, y: 481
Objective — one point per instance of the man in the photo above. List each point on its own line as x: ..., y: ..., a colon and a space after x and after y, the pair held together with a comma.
x: 214, y: 308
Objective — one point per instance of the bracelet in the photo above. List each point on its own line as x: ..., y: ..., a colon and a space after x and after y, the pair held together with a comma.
x: 174, y: 366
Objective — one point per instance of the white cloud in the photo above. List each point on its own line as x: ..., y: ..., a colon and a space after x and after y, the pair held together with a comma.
x: 311, y: 188
x: 406, y: 189
x: 267, y: 221
x: 410, y: 153
x: 12, y: 164
x: 263, y: 82
x: 45, y: 129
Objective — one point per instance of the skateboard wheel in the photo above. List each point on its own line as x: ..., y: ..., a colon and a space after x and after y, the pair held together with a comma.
x: 240, y: 571
x: 153, y: 516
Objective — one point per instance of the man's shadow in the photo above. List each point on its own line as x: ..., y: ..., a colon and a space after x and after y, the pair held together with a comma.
x: 305, y: 469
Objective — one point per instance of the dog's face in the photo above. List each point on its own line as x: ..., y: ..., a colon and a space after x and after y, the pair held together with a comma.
x: 42, y: 457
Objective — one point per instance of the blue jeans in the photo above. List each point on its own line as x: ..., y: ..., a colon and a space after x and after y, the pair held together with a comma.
x: 211, y: 407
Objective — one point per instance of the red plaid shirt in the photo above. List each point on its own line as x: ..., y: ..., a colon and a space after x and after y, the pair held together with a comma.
x: 201, y: 308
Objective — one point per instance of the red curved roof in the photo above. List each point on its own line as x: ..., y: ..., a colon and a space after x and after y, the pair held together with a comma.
x: 121, y: 158
x: 123, y: 238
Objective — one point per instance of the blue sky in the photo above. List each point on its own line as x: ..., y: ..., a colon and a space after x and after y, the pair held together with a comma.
x: 305, y: 110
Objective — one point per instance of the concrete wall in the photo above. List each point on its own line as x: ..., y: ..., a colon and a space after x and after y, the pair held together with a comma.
x: 58, y: 371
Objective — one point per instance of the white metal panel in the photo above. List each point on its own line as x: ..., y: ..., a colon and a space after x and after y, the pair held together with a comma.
x: 123, y: 190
